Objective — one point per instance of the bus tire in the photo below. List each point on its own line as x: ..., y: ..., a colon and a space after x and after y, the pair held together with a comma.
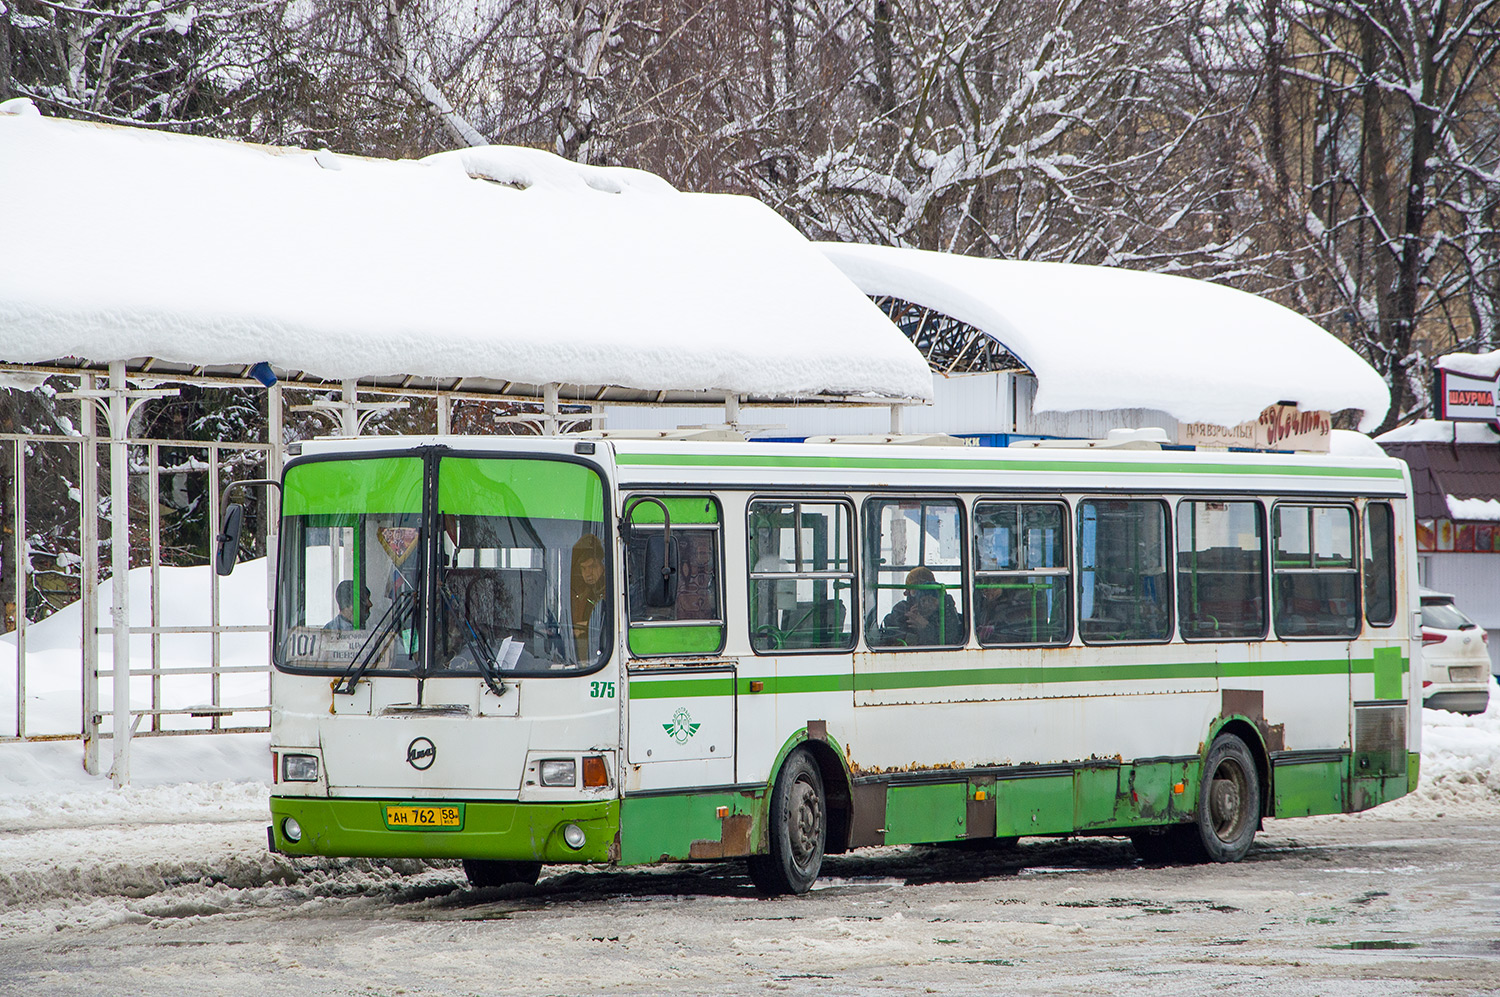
x: 499, y: 872
x: 1229, y: 802
x: 798, y: 830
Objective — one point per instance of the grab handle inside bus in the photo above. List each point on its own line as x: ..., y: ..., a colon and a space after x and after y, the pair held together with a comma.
x: 660, y: 576
x: 227, y: 543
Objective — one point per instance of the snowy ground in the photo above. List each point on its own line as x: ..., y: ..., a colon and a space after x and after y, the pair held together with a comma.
x: 138, y: 891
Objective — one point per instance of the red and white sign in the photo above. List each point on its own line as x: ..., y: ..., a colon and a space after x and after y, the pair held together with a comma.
x: 1467, y: 398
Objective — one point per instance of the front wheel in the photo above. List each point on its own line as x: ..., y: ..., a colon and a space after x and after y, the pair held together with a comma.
x: 1229, y: 802
x: 498, y: 872
x: 798, y: 830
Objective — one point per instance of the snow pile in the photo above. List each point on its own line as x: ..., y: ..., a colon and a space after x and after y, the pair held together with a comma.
x: 1485, y: 365
x: 54, y: 661
x: 1460, y: 753
x: 500, y: 263
x: 1105, y: 338
x: 1440, y: 431
x: 1473, y: 508
x: 1347, y: 443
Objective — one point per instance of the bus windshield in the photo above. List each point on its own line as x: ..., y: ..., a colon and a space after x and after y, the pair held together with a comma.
x: 518, y: 582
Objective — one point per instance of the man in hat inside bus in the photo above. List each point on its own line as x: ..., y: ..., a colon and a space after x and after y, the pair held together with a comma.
x: 927, y: 617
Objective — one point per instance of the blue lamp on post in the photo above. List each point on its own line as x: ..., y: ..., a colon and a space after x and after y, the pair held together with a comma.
x: 263, y: 373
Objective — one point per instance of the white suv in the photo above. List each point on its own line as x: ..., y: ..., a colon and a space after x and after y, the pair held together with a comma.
x: 1455, y: 659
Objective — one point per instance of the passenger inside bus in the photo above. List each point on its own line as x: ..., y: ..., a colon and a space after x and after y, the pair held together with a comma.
x: 344, y: 596
x: 1002, y: 614
x: 587, y: 589
x: 927, y: 617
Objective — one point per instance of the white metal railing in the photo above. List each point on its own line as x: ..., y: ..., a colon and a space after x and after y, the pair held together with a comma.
x: 169, y: 707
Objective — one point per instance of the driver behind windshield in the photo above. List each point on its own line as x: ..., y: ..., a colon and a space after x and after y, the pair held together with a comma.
x: 344, y: 596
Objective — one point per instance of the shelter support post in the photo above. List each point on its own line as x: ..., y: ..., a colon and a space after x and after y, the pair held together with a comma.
x: 21, y: 553
x: 275, y: 437
x: 119, y: 560
x: 896, y: 411
x: 88, y: 539
x: 549, y: 410
x: 122, y: 404
x: 732, y: 410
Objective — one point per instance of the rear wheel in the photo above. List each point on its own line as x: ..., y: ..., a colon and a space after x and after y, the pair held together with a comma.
x: 798, y: 830
x: 499, y: 872
x: 1229, y: 802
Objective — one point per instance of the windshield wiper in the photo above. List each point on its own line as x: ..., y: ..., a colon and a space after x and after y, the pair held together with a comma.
x: 479, y: 646
x: 384, y: 630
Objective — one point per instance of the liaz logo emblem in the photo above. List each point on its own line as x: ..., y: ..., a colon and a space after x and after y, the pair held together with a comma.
x: 420, y: 754
x: 682, y: 727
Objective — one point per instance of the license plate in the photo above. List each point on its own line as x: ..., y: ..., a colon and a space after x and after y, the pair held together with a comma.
x: 444, y: 818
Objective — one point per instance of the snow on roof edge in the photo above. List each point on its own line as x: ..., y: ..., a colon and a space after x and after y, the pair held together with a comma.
x: 1103, y: 338
x: 590, y: 275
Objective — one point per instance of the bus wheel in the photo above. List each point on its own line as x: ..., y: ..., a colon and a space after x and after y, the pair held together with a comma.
x: 1228, y: 802
x: 497, y: 872
x: 798, y: 831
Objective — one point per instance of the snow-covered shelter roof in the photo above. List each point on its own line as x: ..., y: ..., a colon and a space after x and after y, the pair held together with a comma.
x: 499, y: 266
x: 1100, y: 338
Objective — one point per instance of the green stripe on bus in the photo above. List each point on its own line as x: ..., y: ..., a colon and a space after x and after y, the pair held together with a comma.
x: 651, y: 688
x: 685, y: 510
x: 535, y: 489
x: 937, y: 464
x: 646, y: 641
x: 1388, y: 665
x: 351, y: 487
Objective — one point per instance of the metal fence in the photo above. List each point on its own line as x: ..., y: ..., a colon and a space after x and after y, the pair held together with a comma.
x: 52, y: 653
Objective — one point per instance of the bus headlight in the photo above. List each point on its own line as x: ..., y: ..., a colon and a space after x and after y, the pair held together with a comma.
x: 299, y: 768
x: 573, y: 836
x: 291, y: 830
x: 559, y: 772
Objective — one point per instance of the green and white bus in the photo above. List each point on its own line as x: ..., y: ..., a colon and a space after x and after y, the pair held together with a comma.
x: 522, y: 651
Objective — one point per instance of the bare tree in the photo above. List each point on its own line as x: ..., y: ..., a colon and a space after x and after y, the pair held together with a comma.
x: 1390, y: 143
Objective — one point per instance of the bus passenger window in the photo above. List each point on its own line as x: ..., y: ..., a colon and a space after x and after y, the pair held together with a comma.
x: 1315, y: 577
x: 1122, y: 571
x: 1221, y: 568
x: 913, y: 571
x: 1021, y: 582
x: 694, y: 623
x: 801, y: 576
x: 1380, y: 564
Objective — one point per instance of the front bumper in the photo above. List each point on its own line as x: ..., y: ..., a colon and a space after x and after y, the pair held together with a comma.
x: 515, y: 831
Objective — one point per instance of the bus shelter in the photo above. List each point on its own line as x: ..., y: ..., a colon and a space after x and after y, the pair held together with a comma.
x: 138, y: 262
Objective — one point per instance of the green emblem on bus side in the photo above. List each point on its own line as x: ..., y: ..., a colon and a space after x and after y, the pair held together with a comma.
x: 682, y: 727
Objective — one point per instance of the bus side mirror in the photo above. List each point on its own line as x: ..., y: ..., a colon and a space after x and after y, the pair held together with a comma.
x: 661, y: 571
x: 227, y: 546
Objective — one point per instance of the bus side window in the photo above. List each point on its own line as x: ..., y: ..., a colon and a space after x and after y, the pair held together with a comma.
x: 801, y: 576
x: 694, y: 623
x: 1123, y: 586
x: 1380, y: 564
x: 1315, y: 579
x: 1221, y: 570
x: 1022, y: 586
x: 914, y: 573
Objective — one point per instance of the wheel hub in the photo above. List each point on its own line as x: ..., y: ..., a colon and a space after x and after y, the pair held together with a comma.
x: 806, y: 823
